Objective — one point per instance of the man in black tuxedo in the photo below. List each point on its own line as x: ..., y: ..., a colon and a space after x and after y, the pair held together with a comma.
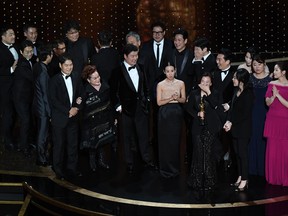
x: 222, y: 81
x: 107, y: 59
x: 64, y: 89
x: 22, y: 94
x: 59, y: 48
x: 41, y: 104
x: 182, y: 58
x: 204, y: 60
x: 80, y: 48
x: 157, y: 53
x: 130, y: 85
x: 8, y: 61
x: 31, y: 34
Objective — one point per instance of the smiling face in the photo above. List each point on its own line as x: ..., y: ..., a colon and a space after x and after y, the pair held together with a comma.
x: 31, y: 34
x: 206, y: 81
x: 180, y: 42
x: 73, y: 35
x: 131, y: 58
x: 94, y: 79
x: 8, y: 37
x: 27, y: 52
x: 277, y: 73
x: 221, y: 62
x: 67, y: 67
x: 158, y: 34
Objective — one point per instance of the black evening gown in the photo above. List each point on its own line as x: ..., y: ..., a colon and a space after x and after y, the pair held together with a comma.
x: 170, y: 120
x: 205, y: 141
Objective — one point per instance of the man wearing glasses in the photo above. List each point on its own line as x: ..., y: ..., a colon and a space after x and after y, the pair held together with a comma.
x: 80, y: 48
x: 59, y: 48
x: 157, y: 53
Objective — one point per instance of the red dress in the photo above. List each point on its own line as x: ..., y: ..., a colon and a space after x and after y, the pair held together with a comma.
x: 276, y: 132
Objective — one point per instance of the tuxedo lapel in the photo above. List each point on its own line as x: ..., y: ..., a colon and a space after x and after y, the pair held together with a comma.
x: 127, y: 78
x: 64, y: 88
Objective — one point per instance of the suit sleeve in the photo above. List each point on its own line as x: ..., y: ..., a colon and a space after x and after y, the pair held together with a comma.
x: 44, y: 83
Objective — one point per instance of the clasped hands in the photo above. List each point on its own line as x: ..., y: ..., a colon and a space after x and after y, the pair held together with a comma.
x: 74, y: 110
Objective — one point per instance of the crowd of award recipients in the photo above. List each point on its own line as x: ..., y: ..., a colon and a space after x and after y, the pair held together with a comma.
x: 73, y: 94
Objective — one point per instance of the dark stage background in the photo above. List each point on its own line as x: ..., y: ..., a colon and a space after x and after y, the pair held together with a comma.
x: 236, y: 24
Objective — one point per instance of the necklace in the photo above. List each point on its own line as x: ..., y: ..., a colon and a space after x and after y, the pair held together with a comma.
x: 170, y: 82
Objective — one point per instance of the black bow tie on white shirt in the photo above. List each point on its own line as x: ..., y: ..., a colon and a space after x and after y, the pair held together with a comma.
x: 11, y: 46
x: 67, y: 76
x: 225, y: 71
x: 132, y: 67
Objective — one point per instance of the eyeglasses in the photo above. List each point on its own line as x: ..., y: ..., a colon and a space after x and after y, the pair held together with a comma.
x: 63, y: 48
x: 94, y: 78
x: 158, y: 32
x: 72, y: 32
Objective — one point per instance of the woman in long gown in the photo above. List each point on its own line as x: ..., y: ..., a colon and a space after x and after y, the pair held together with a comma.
x: 98, y: 119
x: 170, y: 94
x: 259, y: 79
x: 276, y: 127
x: 203, y: 105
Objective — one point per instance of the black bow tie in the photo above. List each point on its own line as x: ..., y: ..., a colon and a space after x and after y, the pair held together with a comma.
x: 225, y: 72
x: 9, y: 47
x: 67, y: 76
x: 132, y: 67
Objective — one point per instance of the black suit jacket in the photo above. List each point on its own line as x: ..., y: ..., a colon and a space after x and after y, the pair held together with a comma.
x: 23, y: 83
x: 240, y: 114
x: 199, y: 67
x: 59, y: 99
x: 107, y: 60
x: 41, y: 100
x: 184, y: 70
x: 154, y: 73
x: 212, y: 105
x: 125, y: 94
x: 53, y: 67
x: 225, y: 88
x: 81, y: 51
x: 6, y: 61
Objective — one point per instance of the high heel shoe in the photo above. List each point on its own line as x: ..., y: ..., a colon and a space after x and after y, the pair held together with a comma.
x: 243, y: 188
x: 236, y: 184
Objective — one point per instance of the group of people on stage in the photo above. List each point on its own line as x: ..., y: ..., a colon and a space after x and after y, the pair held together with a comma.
x: 77, y: 94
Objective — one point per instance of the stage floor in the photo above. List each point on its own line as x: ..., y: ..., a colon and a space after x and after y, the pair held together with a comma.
x: 145, y: 192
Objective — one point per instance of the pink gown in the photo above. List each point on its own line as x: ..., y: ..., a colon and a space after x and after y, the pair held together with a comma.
x: 276, y: 132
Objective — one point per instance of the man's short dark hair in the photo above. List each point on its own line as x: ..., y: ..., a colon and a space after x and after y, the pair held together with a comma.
x: 44, y: 51
x: 25, y: 43
x: 202, y: 42
x: 71, y: 24
x: 182, y: 32
x: 228, y: 55
x: 160, y: 24
x: 28, y: 25
x: 105, y: 38
x: 4, y: 29
x: 128, y: 48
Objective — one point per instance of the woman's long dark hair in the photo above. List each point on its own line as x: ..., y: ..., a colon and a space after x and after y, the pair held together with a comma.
x: 242, y: 75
